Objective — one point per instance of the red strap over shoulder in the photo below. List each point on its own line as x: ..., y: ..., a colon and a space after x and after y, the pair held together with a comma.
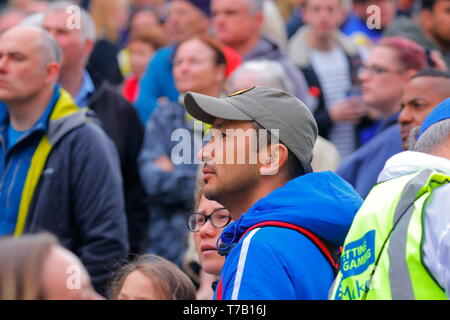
x: 219, y: 295
x: 311, y: 236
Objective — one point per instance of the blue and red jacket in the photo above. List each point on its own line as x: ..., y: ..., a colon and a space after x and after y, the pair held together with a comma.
x: 275, y: 262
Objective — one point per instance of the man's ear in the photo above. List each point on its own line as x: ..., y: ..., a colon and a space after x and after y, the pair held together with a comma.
x: 425, y: 19
x: 408, y: 74
x: 52, y: 72
x: 89, y: 46
x: 259, y: 20
x: 272, y: 159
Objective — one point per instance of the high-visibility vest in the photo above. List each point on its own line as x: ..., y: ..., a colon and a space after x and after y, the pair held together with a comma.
x: 382, y: 257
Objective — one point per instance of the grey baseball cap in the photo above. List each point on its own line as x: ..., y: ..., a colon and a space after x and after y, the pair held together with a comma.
x: 270, y: 108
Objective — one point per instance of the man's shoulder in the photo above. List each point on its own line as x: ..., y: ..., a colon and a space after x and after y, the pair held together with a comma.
x: 275, y: 239
x: 385, y: 142
x: 107, y: 99
x: 87, y: 135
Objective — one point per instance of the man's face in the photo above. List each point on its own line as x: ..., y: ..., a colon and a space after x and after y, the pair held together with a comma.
x: 75, y: 48
x: 22, y: 74
x: 184, y: 21
x: 143, y: 20
x: 233, y: 22
x: 439, y: 25
x: 225, y: 175
x: 323, y: 16
x: 421, y: 95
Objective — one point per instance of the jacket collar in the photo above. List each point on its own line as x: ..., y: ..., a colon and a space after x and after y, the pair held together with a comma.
x: 300, y: 52
x: 41, y: 124
x: 409, y: 162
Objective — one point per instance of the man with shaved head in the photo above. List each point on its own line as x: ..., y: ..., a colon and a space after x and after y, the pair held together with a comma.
x: 422, y: 94
x: 59, y: 171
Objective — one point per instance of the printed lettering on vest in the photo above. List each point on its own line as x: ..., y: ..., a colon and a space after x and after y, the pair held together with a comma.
x: 356, y: 258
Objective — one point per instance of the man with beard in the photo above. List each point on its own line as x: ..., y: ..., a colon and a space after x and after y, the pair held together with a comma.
x: 288, y: 220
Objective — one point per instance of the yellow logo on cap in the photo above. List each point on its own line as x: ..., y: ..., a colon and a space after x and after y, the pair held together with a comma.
x: 240, y: 92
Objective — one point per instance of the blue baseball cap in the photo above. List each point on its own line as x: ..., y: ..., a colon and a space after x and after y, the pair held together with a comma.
x: 441, y: 112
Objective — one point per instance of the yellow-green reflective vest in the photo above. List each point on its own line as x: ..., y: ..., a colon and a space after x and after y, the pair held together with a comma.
x: 382, y: 256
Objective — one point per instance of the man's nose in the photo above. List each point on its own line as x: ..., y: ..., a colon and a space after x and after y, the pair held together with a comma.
x: 3, y: 63
x: 404, y: 116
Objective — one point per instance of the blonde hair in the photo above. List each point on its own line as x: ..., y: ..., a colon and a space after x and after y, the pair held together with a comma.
x: 103, y: 13
x: 21, y: 262
x: 168, y: 280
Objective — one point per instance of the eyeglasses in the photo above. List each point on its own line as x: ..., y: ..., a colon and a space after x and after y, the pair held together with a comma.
x: 375, y: 70
x: 219, y: 218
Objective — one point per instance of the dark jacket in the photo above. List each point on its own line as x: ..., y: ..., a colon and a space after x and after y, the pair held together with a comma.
x: 78, y: 192
x: 121, y: 123
x: 104, y: 60
x: 364, y: 165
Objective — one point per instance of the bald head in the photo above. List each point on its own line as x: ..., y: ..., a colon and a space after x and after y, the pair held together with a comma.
x: 40, y: 40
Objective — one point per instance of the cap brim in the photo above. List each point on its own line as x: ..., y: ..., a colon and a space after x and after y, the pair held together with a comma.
x: 207, y: 109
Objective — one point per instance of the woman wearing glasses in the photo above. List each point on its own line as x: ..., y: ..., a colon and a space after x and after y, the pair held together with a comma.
x: 206, y: 224
x: 390, y: 66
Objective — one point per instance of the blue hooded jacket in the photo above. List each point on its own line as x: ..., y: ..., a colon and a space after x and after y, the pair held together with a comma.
x: 279, y: 263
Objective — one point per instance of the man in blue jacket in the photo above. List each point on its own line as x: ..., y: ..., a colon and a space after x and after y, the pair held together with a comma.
x: 59, y: 172
x: 284, y: 214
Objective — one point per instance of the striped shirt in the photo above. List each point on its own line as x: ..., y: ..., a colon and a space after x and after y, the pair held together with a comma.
x: 332, y: 69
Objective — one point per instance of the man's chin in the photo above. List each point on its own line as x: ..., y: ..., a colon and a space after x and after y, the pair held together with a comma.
x: 210, y: 193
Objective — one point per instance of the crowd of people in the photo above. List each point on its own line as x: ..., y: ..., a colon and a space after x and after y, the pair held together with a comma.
x: 224, y: 149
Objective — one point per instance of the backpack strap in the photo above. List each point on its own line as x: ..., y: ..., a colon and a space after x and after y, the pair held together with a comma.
x: 329, y: 251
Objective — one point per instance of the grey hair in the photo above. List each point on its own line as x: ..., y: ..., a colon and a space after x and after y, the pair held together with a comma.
x: 254, y: 6
x: 268, y: 72
x: 50, y: 49
x: 87, y: 25
x: 434, y: 137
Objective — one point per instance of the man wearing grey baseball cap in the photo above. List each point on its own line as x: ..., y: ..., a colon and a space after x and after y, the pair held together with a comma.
x: 289, y: 221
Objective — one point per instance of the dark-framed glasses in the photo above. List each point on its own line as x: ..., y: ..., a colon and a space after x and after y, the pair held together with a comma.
x: 219, y: 218
x: 375, y: 70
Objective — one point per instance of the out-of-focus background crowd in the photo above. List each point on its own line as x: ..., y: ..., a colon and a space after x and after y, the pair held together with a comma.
x: 117, y: 194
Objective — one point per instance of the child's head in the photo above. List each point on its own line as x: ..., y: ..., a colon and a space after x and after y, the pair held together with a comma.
x: 151, y: 277
x: 141, y: 46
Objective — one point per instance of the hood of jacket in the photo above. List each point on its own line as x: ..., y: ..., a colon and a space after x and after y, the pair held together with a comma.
x: 409, y: 162
x: 321, y: 202
x: 299, y: 51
